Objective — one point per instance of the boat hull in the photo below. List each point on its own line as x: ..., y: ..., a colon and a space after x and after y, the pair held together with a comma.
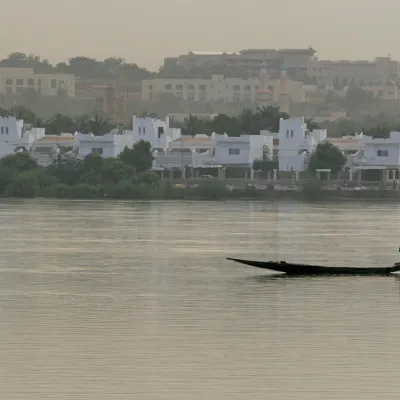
x: 305, y: 269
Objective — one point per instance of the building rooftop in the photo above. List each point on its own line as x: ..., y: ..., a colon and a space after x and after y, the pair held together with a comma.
x: 52, y: 138
x: 193, y: 139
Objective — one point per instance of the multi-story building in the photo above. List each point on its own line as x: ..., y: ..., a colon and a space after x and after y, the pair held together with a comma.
x: 17, y: 80
x: 219, y: 88
x: 296, y: 143
x: 248, y: 62
x: 381, y: 71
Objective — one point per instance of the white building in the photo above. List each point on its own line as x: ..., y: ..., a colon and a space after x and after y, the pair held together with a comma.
x: 44, y: 149
x: 15, y: 135
x: 241, y: 151
x: 296, y: 143
x: 108, y: 145
x: 155, y: 131
x: 215, y: 151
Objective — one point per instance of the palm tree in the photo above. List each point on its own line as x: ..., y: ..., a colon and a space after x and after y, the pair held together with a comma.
x: 270, y: 117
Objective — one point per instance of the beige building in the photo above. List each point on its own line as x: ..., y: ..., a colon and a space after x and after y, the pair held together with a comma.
x: 363, y: 73
x: 383, y: 92
x: 218, y: 88
x: 250, y: 60
x: 16, y: 80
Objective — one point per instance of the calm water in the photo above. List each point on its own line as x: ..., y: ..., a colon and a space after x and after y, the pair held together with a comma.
x: 124, y: 300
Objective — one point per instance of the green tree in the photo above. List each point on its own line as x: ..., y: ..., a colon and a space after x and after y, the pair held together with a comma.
x: 311, y: 124
x: 140, y: 156
x: 270, y: 117
x: 18, y: 162
x: 327, y: 156
x: 93, y: 162
x: 59, y: 123
x: 194, y: 125
x: 115, y: 170
x: 67, y: 168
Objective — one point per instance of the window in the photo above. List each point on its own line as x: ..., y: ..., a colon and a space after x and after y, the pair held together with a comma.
x: 382, y: 153
x: 247, y: 88
x: 234, y: 152
x: 287, y: 133
x: 160, y: 131
x: 19, y: 82
x: 9, y: 81
x: 31, y: 82
x: 291, y: 133
x: 2, y: 130
x: 140, y: 130
x: 53, y: 84
x: 202, y: 87
x: 179, y: 87
x: 236, y: 88
x: 168, y: 87
x: 190, y: 87
x: 7, y: 130
x: 144, y: 130
x: 97, y: 150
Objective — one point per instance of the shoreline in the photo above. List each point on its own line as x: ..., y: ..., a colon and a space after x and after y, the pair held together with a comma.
x: 324, y: 196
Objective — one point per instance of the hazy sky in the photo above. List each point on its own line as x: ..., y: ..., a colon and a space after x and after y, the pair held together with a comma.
x: 145, y: 31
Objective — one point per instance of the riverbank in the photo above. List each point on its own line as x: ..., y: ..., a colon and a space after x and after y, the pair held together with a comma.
x: 215, y: 191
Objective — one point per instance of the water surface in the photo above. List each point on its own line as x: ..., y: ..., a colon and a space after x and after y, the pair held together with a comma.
x: 135, y: 300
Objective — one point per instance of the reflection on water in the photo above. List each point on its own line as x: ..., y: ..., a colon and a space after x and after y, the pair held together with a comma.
x: 125, y: 300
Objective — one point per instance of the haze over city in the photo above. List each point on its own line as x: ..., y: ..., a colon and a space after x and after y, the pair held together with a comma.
x: 146, y: 32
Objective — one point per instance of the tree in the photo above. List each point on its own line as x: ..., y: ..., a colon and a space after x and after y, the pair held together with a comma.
x: 356, y: 98
x: 311, y: 124
x: 84, y: 67
x: 93, y: 162
x: 59, y: 123
x: 114, y: 171
x: 270, y: 117
x: 327, y: 156
x: 140, y: 156
x: 96, y: 125
x: 194, y: 125
x: 67, y: 168
x: 24, y: 113
x: 223, y: 123
x: 18, y: 162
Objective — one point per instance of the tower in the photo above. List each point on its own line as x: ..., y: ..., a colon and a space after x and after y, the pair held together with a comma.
x: 264, y: 95
x: 284, y: 93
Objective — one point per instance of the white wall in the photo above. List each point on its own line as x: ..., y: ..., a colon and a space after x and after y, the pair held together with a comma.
x: 385, y: 152
x: 111, y: 145
x: 294, y: 138
x: 155, y: 131
x: 10, y: 135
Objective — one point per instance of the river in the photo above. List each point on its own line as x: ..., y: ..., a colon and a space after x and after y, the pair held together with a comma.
x: 103, y: 300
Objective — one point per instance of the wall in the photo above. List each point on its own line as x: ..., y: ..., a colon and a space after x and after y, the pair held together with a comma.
x: 111, y: 144
x: 223, y: 147
x: 10, y: 135
x: 147, y: 129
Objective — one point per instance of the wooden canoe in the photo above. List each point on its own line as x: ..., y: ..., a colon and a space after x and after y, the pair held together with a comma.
x: 305, y: 269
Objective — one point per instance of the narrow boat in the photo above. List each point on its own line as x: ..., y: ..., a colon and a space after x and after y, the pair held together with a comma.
x: 306, y: 269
